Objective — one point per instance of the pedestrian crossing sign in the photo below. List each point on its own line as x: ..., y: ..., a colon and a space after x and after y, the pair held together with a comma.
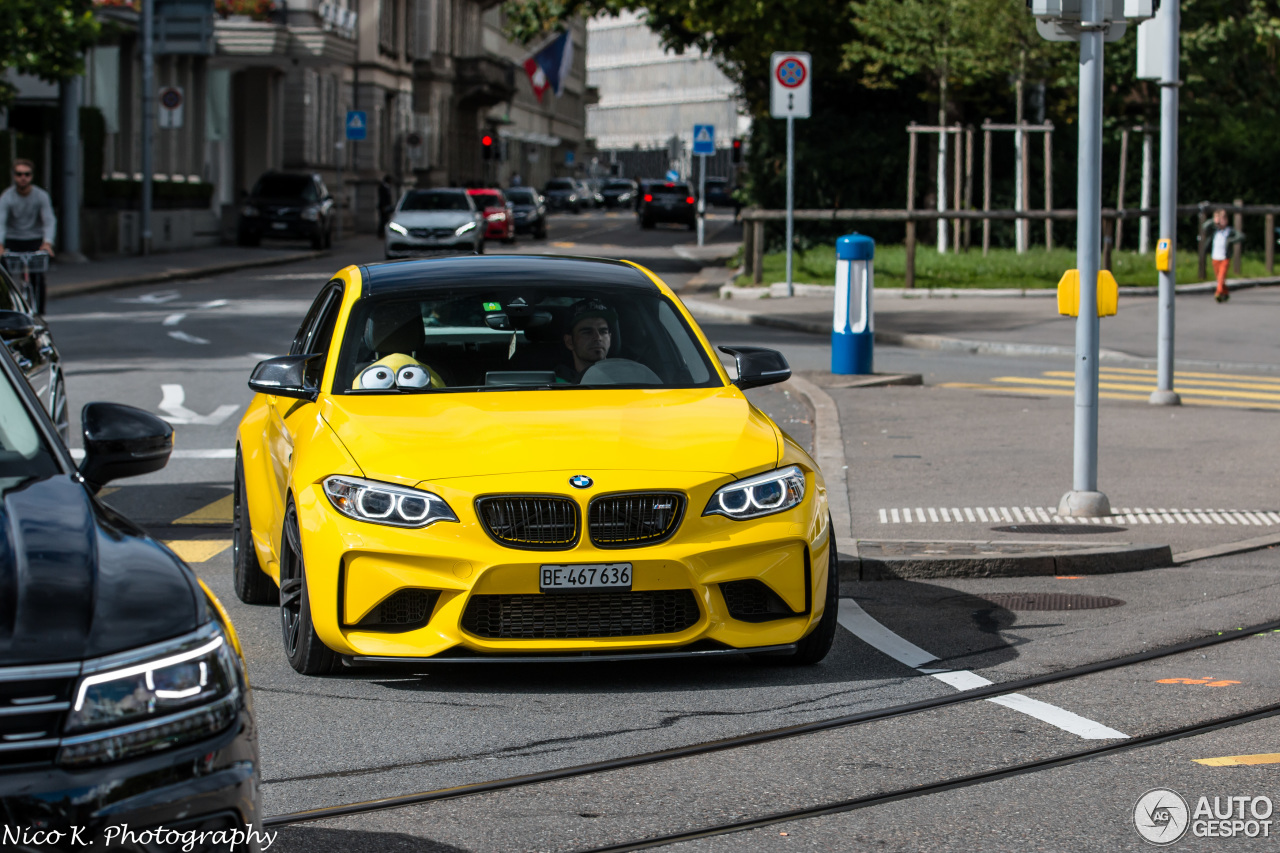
x: 357, y: 125
x: 704, y: 139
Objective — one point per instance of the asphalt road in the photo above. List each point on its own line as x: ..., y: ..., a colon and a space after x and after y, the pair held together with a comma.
x: 185, y: 350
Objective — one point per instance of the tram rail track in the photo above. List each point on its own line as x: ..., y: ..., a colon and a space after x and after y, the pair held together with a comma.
x: 799, y: 730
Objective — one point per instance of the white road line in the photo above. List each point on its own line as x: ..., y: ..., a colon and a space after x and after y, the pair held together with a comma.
x: 883, y: 517
x: 992, y: 515
x: 858, y: 622
x: 933, y: 515
x: 946, y: 514
x: 173, y: 319
x: 185, y: 338
x: 894, y: 512
x: 173, y: 405
x: 1017, y: 515
x: 969, y: 513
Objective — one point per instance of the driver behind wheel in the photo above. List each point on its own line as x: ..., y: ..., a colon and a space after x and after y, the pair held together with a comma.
x: 589, y: 338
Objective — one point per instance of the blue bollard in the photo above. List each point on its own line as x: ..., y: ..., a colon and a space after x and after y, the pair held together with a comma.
x: 852, y: 331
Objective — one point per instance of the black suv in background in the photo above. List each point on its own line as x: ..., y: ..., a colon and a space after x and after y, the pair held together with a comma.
x: 564, y: 194
x: 123, y: 697
x: 668, y: 201
x: 530, y: 211
x: 287, y: 206
x: 618, y: 192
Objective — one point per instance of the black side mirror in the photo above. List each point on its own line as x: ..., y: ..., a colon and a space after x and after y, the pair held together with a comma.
x: 14, y: 325
x: 285, y: 376
x: 758, y: 366
x: 121, y: 441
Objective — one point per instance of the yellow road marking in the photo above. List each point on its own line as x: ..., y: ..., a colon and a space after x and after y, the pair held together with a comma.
x: 1105, y: 395
x: 1240, y: 760
x: 564, y: 245
x: 198, y: 550
x: 1148, y: 372
x: 109, y: 490
x: 1120, y: 386
x: 1107, y: 373
x: 218, y: 512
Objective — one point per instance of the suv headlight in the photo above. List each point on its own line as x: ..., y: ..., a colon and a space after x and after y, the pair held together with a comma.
x: 311, y: 214
x: 153, y: 698
x: 463, y: 229
x: 383, y: 503
x: 763, y: 494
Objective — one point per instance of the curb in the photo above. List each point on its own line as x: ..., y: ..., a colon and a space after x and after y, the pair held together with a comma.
x: 1097, y: 561
x: 59, y: 290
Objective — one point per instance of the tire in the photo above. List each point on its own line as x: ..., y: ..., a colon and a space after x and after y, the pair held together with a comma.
x: 317, y: 240
x: 815, y: 647
x: 244, y: 238
x: 303, y: 649
x: 328, y: 237
x: 252, y: 585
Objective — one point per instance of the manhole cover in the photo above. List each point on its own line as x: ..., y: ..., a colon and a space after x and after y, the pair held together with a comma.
x: 1065, y: 529
x: 1050, y: 601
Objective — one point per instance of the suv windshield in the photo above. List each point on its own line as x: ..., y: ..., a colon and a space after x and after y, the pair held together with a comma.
x: 285, y: 186
x: 519, y: 196
x: 560, y: 184
x: 530, y: 337
x: 23, y: 452
x: 434, y: 200
x: 618, y: 185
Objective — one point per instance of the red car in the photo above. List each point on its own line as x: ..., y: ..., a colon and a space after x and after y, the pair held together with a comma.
x: 499, y: 224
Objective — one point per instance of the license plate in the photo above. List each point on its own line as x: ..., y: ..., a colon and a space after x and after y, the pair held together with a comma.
x: 280, y: 225
x: 585, y: 576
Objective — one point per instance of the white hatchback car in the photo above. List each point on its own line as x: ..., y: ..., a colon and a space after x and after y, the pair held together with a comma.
x: 431, y: 220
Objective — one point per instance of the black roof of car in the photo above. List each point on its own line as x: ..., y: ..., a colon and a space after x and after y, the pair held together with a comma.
x: 499, y: 271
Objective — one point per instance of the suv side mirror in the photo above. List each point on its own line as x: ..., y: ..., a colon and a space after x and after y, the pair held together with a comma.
x: 758, y: 366
x: 121, y: 441
x: 14, y: 325
x: 284, y: 376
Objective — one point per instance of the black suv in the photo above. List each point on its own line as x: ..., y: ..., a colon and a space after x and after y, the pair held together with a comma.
x: 667, y: 201
x: 123, y: 697
x: 288, y: 206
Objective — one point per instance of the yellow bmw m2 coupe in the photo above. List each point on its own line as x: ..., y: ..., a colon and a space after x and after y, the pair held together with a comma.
x: 524, y: 458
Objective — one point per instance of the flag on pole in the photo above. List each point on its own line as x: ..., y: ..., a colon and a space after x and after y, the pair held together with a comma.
x: 549, y: 67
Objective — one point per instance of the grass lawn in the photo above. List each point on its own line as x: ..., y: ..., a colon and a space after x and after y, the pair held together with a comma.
x: 1001, y: 268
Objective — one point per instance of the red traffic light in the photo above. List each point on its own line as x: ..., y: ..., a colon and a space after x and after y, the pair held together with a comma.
x: 486, y: 140
x: 737, y: 150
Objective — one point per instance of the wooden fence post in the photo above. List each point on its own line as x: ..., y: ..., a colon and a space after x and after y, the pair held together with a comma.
x: 1237, y: 252
x: 1124, y: 160
x: 909, y: 272
x: 757, y: 249
x: 1269, y: 240
x: 986, y: 190
x: 1048, y: 189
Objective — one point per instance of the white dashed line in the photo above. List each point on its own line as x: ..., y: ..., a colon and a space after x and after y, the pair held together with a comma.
x: 1043, y: 515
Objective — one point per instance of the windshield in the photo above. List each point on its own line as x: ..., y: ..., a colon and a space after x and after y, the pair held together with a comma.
x: 488, y: 199
x: 23, y: 452
x: 434, y: 200
x: 285, y: 186
x: 618, y: 185
x: 560, y: 184
x: 534, y: 337
x: 521, y: 196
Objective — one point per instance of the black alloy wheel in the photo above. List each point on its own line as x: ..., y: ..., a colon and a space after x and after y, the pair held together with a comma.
x: 306, y: 652
x: 815, y: 647
x: 252, y: 585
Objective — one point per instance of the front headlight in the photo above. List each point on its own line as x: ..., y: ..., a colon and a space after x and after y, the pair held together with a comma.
x: 470, y: 226
x: 153, y: 699
x: 763, y: 494
x: 383, y: 503
x: 398, y: 228
x: 311, y: 214
x: 496, y: 217
x: 249, y: 210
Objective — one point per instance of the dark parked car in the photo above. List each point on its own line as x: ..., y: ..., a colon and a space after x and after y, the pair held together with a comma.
x: 123, y: 697
x: 590, y: 190
x: 668, y: 201
x: 564, y: 194
x: 27, y: 337
x: 719, y: 193
x: 287, y: 206
x: 618, y: 192
x: 530, y: 210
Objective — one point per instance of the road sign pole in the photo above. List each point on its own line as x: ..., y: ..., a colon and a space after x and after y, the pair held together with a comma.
x: 148, y: 113
x: 702, y: 197
x: 1164, y: 395
x: 1084, y: 499
x: 791, y: 172
x: 342, y: 190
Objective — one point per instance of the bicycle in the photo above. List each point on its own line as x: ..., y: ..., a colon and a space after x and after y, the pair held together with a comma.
x: 29, y: 269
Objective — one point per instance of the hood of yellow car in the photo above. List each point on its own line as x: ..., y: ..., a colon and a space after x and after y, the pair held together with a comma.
x: 409, y: 438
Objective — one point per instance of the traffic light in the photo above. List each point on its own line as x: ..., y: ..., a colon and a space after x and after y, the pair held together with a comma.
x: 737, y: 150
x: 486, y: 146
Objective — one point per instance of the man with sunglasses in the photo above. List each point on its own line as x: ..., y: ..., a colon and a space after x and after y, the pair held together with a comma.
x: 27, y: 223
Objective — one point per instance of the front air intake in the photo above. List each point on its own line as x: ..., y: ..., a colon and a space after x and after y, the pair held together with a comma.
x: 533, y: 522
x: 630, y: 520
x: 581, y: 615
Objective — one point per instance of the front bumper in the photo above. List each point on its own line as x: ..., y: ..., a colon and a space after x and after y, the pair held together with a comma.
x: 291, y: 229
x: 352, y: 567
x: 207, y: 786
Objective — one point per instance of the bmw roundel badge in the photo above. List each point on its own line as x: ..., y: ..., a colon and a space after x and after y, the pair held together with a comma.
x: 580, y: 481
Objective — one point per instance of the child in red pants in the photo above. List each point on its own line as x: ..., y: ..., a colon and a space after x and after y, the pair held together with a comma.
x: 1223, y: 236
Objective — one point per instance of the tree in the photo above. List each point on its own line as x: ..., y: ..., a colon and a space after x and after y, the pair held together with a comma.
x: 44, y: 38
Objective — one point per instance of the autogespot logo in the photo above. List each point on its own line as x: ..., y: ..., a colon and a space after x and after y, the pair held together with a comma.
x: 1160, y: 816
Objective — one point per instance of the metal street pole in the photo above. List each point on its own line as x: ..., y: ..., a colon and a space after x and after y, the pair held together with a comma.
x: 148, y: 119
x: 791, y: 172
x: 70, y: 102
x: 1164, y: 395
x: 340, y: 146
x: 702, y: 197
x: 1084, y: 499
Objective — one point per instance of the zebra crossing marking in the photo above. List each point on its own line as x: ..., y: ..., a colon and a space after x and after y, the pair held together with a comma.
x: 1043, y: 515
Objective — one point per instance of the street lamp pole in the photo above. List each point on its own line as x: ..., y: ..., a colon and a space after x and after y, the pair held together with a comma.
x: 148, y: 118
x: 1084, y: 499
x: 1164, y: 395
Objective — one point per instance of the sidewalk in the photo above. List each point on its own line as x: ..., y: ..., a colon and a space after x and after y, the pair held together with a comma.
x: 125, y: 271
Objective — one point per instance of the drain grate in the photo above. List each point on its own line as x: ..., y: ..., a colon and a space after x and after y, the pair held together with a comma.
x: 1050, y: 601
x: 1062, y: 529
